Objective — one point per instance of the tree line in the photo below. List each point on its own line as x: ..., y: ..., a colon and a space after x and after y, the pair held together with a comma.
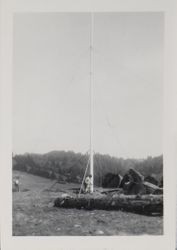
x: 70, y: 166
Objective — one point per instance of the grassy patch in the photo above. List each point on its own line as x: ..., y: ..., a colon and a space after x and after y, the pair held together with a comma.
x: 34, y: 214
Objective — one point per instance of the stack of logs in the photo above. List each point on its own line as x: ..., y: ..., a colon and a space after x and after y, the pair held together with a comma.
x: 133, y: 195
x: 133, y: 183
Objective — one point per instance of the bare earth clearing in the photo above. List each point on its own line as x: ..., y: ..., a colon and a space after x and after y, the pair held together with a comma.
x: 34, y: 214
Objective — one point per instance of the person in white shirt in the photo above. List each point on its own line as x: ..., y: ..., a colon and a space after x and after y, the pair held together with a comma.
x: 17, y: 184
x: 88, y: 183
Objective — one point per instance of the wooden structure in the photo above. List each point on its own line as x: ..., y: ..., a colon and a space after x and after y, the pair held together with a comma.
x: 145, y: 204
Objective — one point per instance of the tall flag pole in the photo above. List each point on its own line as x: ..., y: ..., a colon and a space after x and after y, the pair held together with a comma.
x: 91, y: 101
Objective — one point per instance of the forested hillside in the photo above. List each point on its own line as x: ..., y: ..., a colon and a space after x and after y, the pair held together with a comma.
x: 70, y: 166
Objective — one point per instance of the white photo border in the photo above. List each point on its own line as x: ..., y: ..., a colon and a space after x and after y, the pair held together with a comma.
x: 164, y: 242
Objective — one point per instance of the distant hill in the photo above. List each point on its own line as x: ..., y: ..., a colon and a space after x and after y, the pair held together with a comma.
x: 70, y: 166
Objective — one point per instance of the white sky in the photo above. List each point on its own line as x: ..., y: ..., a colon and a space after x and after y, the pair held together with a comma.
x: 51, y: 83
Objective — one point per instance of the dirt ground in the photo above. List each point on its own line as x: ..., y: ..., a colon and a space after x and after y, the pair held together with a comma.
x: 34, y: 214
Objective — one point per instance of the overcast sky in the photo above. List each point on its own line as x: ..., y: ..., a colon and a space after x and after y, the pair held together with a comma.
x: 51, y: 83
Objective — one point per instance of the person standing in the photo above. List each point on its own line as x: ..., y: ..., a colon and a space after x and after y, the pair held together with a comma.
x: 17, y: 184
x: 88, y: 183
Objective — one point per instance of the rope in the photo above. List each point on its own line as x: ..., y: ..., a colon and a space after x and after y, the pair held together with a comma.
x: 84, y: 177
x: 57, y: 181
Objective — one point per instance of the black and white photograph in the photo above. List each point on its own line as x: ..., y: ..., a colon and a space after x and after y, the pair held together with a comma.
x: 87, y: 153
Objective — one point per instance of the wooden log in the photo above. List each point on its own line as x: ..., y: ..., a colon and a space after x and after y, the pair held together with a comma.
x: 130, y: 178
x: 152, y: 189
x: 112, y: 190
x: 151, y: 179
x: 134, y: 188
x: 146, y: 204
x: 136, y: 176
